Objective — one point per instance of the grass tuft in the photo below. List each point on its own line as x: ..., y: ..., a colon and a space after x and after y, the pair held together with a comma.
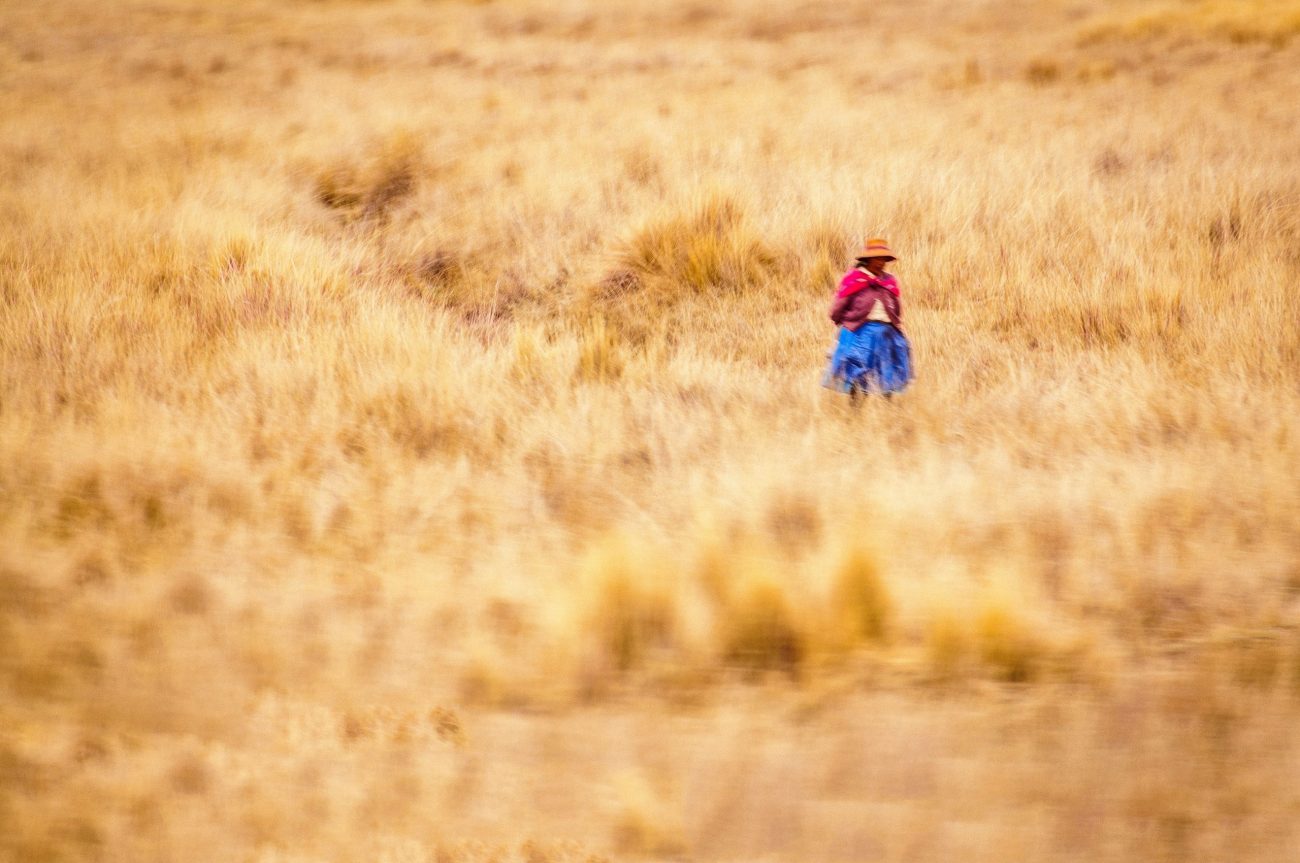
x: 371, y: 187
x: 860, y: 599
x: 1006, y: 643
x: 600, y: 354
x: 760, y: 628
x: 709, y: 248
x: 631, y: 604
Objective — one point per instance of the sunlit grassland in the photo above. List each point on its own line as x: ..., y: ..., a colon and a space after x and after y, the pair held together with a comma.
x: 411, y: 445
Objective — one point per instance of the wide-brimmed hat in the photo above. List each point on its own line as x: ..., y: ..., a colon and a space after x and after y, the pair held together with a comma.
x: 876, y: 248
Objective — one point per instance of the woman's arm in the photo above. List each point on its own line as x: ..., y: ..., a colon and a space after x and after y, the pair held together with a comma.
x: 894, y: 308
x: 838, y: 307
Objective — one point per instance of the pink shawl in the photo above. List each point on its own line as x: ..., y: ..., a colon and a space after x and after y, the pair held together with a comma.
x: 855, y: 280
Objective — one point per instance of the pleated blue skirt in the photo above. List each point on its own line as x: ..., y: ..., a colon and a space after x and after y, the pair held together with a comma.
x: 875, y: 359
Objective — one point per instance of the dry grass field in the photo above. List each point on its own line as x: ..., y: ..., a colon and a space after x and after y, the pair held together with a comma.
x: 412, y: 446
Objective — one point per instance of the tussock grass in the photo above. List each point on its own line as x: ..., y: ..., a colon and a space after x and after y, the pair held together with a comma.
x: 1007, y: 644
x: 709, y: 248
x: 370, y: 189
x: 633, y: 608
x: 729, y: 602
x: 761, y: 625
x: 600, y: 354
x: 861, y: 597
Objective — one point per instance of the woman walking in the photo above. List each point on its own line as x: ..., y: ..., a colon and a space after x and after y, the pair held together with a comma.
x: 872, y: 354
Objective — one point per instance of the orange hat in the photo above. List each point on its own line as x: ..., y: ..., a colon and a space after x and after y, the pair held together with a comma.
x: 877, y: 248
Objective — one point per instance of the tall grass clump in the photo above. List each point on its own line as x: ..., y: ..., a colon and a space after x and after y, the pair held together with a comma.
x: 370, y: 186
x: 732, y: 602
x: 761, y: 628
x: 860, y: 601
x: 600, y: 352
x: 1008, y: 644
x: 709, y: 248
x: 630, y: 603
x: 757, y: 617
x: 989, y: 633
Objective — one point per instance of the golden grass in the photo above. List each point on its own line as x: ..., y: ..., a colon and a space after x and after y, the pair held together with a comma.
x: 411, y: 445
x: 1242, y: 21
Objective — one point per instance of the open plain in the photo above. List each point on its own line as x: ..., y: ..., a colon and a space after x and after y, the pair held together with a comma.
x: 412, y: 446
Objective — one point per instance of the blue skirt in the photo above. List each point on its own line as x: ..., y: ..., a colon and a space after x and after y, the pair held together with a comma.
x: 876, y: 358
